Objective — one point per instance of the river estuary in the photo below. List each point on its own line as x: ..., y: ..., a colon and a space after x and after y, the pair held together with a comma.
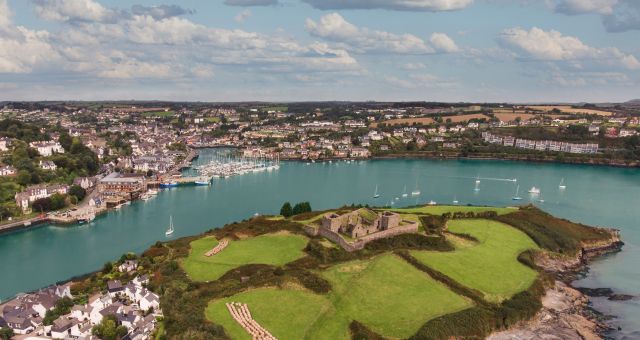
x: 601, y: 196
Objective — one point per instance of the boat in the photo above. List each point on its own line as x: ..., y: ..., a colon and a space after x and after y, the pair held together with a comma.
x: 534, y: 190
x: 170, y: 184
x: 26, y: 223
x: 455, y: 200
x: 516, y: 197
x: 169, y: 231
x: 376, y: 194
x: 561, y: 186
x: 404, y: 192
x: 432, y: 202
x: 478, y: 179
x: 202, y: 182
x: 416, y: 192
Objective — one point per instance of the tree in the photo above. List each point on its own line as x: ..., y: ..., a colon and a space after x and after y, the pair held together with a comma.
x: 286, y: 210
x: 58, y: 201
x: 108, y: 329
x: 23, y: 178
x: 6, y: 333
x: 42, y: 204
x: 301, y: 207
x: 108, y: 266
x: 78, y: 192
x: 65, y: 140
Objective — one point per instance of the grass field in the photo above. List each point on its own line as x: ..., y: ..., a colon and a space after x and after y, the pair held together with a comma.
x: 441, y: 209
x: 287, y: 314
x: 570, y: 110
x: 387, y: 295
x: 273, y: 249
x: 490, y: 266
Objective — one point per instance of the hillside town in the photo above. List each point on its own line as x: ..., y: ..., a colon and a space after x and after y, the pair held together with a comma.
x: 130, y: 309
x: 67, y: 162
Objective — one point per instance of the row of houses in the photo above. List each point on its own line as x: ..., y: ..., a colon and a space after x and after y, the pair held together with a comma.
x: 34, y: 192
x: 540, y: 145
x: 133, y: 306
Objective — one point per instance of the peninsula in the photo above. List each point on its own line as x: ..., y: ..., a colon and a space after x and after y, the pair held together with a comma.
x: 424, y: 272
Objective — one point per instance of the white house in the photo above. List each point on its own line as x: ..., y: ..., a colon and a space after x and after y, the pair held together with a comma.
x: 48, y: 165
x: 7, y: 170
x: 47, y: 149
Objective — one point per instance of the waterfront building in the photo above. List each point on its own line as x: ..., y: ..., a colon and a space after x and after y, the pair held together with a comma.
x: 116, y: 184
x: 34, y: 192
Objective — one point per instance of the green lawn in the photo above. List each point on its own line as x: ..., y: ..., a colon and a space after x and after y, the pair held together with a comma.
x: 274, y: 249
x: 490, y: 266
x: 287, y: 314
x: 441, y: 209
x: 385, y: 293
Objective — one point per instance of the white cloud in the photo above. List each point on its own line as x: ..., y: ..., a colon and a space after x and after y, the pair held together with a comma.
x: 537, y: 44
x: 247, y: 3
x: 399, y: 5
x: 413, y: 66
x: 334, y: 27
x: 21, y: 49
x: 242, y: 16
x: 71, y: 10
x: 420, y: 80
x: 443, y: 43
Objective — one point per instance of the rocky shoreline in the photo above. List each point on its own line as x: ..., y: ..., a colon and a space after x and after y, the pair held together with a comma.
x: 566, y: 311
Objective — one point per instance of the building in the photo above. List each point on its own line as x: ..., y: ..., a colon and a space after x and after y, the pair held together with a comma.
x: 116, y: 184
x: 353, y: 230
x: 48, y: 165
x: 7, y: 170
x: 34, y: 192
x: 47, y: 149
x: 5, y: 142
x: 85, y: 182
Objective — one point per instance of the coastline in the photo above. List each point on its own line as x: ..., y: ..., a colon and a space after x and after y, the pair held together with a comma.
x: 590, y: 162
x: 566, y: 312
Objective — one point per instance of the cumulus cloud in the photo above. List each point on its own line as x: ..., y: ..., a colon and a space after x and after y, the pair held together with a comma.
x: 334, y: 27
x: 443, y: 43
x: 584, y: 6
x: 537, y: 44
x: 242, y: 16
x: 247, y: 3
x: 398, y: 5
x: 71, y: 10
x: 21, y: 49
x: 161, y: 11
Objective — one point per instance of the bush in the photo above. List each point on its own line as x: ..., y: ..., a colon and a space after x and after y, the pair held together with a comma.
x: 78, y: 192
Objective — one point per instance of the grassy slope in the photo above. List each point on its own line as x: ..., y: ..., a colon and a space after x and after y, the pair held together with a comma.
x: 441, y: 209
x: 274, y: 249
x: 490, y: 266
x: 386, y: 294
x: 287, y: 314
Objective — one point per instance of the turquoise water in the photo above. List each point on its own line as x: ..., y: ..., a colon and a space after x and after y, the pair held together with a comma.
x: 594, y: 195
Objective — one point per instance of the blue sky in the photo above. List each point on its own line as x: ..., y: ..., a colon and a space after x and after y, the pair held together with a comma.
x: 296, y: 50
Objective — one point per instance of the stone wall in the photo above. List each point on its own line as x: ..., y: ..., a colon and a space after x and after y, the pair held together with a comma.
x: 410, y: 227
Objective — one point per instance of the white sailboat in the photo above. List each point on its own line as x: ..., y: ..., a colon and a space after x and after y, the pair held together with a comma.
x: 455, y: 200
x: 376, y: 194
x: 416, y: 191
x: 169, y: 231
x: 534, y: 191
x: 561, y: 186
x: 404, y: 191
x: 516, y: 197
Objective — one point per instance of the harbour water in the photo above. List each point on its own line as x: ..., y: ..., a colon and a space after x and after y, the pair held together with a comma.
x: 594, y: 195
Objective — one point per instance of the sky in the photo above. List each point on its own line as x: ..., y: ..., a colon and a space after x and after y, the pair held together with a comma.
x: 301, y: 50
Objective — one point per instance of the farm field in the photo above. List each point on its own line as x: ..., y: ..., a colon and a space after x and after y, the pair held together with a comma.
x: 509, y: 117
x: 491, y: 265
x: 273, y: 249
x: 570, y: 110
x: 287, y: 314
x: 441, y: 209
x: 158, y: 114
x: 408, y: 121
x: 464, y: 118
